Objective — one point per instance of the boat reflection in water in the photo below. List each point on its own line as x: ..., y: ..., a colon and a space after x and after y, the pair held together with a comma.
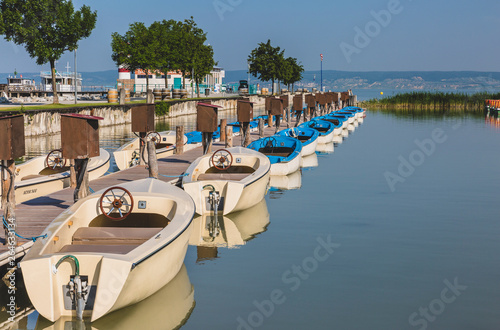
x: 309, y: 161
x: 492, y: 119
x: 286, y: 182
x: 231, y: 230
x: 325, y: 148
x: 169, y: 308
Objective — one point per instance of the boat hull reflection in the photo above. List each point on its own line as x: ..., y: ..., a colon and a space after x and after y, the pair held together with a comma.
x: 230, y: 231
x: 286, y: 182
x: 309, y: 161
x: 169, y: 308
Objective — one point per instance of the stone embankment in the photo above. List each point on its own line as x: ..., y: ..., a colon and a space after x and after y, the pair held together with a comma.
x: 46, y: 122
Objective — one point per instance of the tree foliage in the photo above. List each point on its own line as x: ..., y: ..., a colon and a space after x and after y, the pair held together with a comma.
x: 203, y: 64
x: 164, y: 46
x: 266, y: 62
x: 46, y: 28
x: 136, y: 49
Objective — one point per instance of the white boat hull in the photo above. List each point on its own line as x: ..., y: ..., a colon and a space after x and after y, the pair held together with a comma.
x: 42, y: 185
x: 286, y: 168
x: 127, y: 154
x: 236, y: 195
x: 310, y: 148
x: 326, y: 138
x: 118, y: 279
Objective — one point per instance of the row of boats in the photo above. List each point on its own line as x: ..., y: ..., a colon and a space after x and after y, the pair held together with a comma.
x: 122, y: 244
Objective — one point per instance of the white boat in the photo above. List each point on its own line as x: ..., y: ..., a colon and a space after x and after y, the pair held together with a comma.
x: 231, y: 230
x: 283, y: 152
x: 103, y: 253
x: 168, y: 308
x: 227, y: 180
x: 41, y: 176
x: 307, y: 136
x: 128, y: 155
x: 65, y: 81
x: 286, y: 182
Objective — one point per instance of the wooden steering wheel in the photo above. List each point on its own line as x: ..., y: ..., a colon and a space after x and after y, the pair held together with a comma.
x: 155, y: 137
x: 116, y: 199
x: 222, y: 159
x: 55, y: 159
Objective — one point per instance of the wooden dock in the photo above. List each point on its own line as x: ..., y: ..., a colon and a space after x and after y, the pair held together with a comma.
x: 33, y: 216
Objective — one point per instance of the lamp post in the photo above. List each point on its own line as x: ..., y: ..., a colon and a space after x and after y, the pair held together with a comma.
x: 321, y: 89
x: 75, y: 82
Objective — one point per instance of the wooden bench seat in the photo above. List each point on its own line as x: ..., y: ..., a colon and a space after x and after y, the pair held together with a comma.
x: 222, y: 176
x: 115, y: 249
x: 278, y: 154
x: 113, y: 235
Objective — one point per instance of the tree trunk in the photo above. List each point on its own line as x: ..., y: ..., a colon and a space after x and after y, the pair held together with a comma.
x: 198, y: 89
x: 293, y: 87
x: 147, y: 82
x: 54, y: 85
x: 183, y: 80
x: 272, y: 87
x: 166, y: 81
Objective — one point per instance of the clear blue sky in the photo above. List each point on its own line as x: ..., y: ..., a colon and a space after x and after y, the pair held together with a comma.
x: 419, y: 35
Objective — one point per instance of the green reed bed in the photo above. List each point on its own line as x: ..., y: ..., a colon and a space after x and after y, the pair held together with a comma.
x: 433, y: 101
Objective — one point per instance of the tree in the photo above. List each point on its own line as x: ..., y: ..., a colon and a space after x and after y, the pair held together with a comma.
x: 284, y: 70
x: 165, y: 32
x: 296, y: 70
x: 203, y: 64
x: 46, y: 28
x: 136, y: 49
x: 191, y: 39
x: 265, y: 61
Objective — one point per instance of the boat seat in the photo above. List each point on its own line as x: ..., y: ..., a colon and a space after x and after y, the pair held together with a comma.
x: 32, y: 176
x: 113, y: 235
x: 115, y: 249
x: 278, y: 154
x: 222, y: 176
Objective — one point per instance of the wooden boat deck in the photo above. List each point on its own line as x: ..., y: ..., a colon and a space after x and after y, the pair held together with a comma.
x: 33, y: 216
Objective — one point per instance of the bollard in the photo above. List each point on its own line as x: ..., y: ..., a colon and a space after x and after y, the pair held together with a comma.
x: 150, y: 97
x: 261, y: 127
x: 152, y: 160
x: 223, y: 124
x: 179, y: 140
x: 246, y: 131
x: 122, y: 96
x: 229, y: 136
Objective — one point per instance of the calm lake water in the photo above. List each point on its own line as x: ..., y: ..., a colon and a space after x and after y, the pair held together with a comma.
x: 398, y: 228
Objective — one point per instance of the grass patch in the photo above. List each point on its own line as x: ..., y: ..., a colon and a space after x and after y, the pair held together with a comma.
x: 24, y: 108
x: 433, y: 101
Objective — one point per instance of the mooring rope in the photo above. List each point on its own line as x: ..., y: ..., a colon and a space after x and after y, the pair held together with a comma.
x: 26, y: 238
x: 175, y: 176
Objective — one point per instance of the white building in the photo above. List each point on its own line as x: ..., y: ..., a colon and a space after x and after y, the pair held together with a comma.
x: 174, y: 80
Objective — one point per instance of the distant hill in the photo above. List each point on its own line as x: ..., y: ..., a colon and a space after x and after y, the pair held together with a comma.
x: 99, y: 78
x: 340, y: 80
